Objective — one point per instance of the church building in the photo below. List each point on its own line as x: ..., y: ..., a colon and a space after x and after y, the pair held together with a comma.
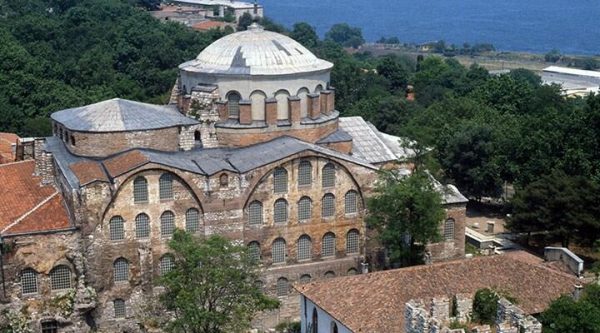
x: 250, y: 147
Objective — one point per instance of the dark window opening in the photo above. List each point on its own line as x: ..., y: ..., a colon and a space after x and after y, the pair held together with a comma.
x: 50, y: 326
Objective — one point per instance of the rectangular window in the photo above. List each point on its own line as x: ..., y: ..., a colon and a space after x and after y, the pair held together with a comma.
x: 50, y: 326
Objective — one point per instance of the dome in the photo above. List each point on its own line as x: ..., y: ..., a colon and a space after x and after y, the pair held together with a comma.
x: 256, y: 52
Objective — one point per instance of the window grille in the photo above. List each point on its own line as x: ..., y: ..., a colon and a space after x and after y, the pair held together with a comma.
x: 280, y: 211
x: 305, y: 278
x: 328, y: 205
x: 328, y: 175
x: 167, y: 262
x: 304, y: 173
x: 254, y: 251
x: 50, y: 326
x: 224, y: 180
x: 280, y: 180
x: 192, y: 220
x: 233, y: 105
x: 304, y: 208
x: 140, y: 190
x: 165, y: 186
x: 119, y: 306
x: 282, y: 286
x: 60, y: 278
x: 29, y: 281
x: 352, y: 271
x: 352, y: 241
x: 121, y: 270
x: 304, y: 248
x: 167, y: 224
x: 142, y: 226
x: 449, y: 229
x: 255, y: 213
x: 328, y: 247
x: 329, y: 274
x: 116, y: 228
x: 278, y: 251
x: 350, y: 202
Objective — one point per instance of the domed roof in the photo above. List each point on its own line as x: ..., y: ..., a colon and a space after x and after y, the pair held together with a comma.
x: 255, y: 52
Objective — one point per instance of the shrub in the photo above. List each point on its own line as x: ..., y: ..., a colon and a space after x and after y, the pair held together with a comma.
x: 485, y: 306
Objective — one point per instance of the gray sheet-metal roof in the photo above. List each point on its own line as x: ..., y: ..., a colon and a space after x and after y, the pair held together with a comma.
x: 117, y: 115
x: 337, y: 136
x: 209, y: 161
x: 371, y: 145
x: 256, y: 52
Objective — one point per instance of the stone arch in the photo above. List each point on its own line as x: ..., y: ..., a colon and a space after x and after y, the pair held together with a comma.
x: 283, y: 109
x: 258, y: 108
x: 233, y: 104
x: 303, y: 95
x: 318, y: 88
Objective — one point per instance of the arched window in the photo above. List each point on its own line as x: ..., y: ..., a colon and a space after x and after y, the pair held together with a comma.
x: 304, y: 248
x: 257, y: 98
x: 334, y: 328
x: 116, y: 228
x: 303, y: 95
x: 329, y: 274
x: 449, y: 229
x: 197, y: 137
x: 223, y: 180
x: 283, y: 110
x: 319, y: 88
x: 280, y: 211
x: 140, y: 190
x: 255, y: 213
x: 278, y: 251
x: 167, y: 262
x: 254, y: 250
x: 280, y: 180
x: 121, y: 270
x: 350, y: 202
x: 60, y: 278
x: 328, y: 175
x: 167, y: 224
x: 352, y: 271
x: 165, y: 186
x: 304, y: 208
x: 233, y: 104
x: 305, y: 278
x: 192, y: 220
x: 72, y: 140
x: 328, y: 245
x: 314, y: 328
x: 29, y: 281
x: 328, y: 205
x: 142, y: 226
x: 119, y: 306
x: 352, y: 241
x: 283, y: 286
x: 304, y: 173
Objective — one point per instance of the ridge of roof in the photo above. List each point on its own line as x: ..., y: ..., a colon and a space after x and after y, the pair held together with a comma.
x: 29, y: 212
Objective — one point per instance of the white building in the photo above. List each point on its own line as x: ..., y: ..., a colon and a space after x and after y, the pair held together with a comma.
x: 574, y: 82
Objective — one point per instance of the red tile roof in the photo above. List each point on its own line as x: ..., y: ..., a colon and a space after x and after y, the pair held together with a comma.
x: 6, y: 149
x: 88, y: 171
x: 25, y: 205
x: 123, y: 163
x: 375, y: 302
x: 208, y: 25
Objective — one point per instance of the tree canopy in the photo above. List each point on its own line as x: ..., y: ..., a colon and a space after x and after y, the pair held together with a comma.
x: 407, y: 213
x: 212, y: 287
x: 575, y: 316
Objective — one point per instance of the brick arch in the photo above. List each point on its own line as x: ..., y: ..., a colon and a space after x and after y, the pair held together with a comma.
x: 129, y: 180
x: 286, y: 164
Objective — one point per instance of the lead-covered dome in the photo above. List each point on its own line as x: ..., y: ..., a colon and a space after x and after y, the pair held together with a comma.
x: 256, y: 52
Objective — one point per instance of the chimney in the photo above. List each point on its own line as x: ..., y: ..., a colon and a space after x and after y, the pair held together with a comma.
x: 578, y: 288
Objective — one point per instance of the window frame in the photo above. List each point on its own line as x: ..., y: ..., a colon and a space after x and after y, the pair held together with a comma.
x: 142, y: 223
x: 121, y: 273
x: 255, y: 207
x: 140, y: 190
x: 304, y: 247
x: 304, y: 209
x: 116, y: 228
x: 280, y: 211
x: 32, y: 275
x: 190, y: 221
x: 280, y: 180
x: 328, y: 175
x: 277, y: 252
x: 328, y: 245
x: 328, y: 209
x: 165, y: 187
x: 164, y: 223
x: 305, y: 174
x: 57, y: 281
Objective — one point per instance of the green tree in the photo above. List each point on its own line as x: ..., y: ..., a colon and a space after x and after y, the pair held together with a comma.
x: 394, y: 68
x: 564, y: 207
x: 485, y: 306
x: 305, y: 34
x: 568, y: 315
x: 552, y: 56
x: 345, y: 35
x: 407, y: 212
x: 212, y: 287
x: 245, y: 21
